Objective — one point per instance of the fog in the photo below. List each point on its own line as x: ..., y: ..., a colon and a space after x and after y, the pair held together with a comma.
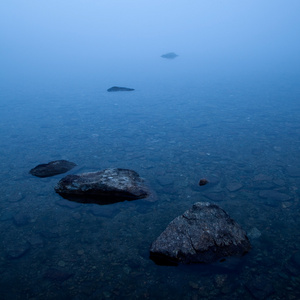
x: 111, y: 42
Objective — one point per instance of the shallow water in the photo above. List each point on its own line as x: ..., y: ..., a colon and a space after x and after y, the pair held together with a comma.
x: 245, y: 137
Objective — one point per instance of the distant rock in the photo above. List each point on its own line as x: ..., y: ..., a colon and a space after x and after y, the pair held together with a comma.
x: 103, y: 187
x: 203, y: 234
x: 119, y: 89
x: 170, y: 55
x: 52, y: 168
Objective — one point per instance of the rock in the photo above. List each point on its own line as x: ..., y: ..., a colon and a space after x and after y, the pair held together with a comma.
x: 52, y: 168
x: 203, y: 181
x: 170, y: 55
x: 119, y: 89
x: 103, y: 187
x: 203, y: 234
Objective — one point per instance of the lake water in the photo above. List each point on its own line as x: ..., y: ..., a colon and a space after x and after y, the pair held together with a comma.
x: 243, y: 134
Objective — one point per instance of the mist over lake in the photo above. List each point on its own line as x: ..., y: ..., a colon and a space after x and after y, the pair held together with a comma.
x: 181, y: 93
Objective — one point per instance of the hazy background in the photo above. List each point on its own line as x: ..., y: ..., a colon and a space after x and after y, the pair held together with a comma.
x: 108, y: 43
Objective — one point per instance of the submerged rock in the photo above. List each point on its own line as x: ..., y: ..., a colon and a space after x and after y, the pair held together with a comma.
x: 170, y: 55
x: 203, y: 234
x: 52, y: 168
x: 119, y: 89
x: 103, y: 187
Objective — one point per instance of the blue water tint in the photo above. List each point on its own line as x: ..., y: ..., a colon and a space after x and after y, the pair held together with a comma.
x: 241, y: 135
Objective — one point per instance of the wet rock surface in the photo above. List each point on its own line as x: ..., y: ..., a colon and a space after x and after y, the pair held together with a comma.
x: 103, y: 187
x: 119, y: 89
x: 52, y: 168
x: 203, y: 234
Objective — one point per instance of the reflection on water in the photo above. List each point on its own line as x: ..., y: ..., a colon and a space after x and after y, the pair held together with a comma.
x: 245, y: 143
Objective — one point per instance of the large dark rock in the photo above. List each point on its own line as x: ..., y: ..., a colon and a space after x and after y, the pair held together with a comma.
x: 119, y: 89
x: 170, y: 55
x: 52, y: 168
x: 203, y: 234
x: 103, y: 187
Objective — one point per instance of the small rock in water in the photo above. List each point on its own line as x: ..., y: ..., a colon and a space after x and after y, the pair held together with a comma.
x: 119, y: 89
x: 203, y: 234
x: 52, y: 168
x: 203, y: 181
